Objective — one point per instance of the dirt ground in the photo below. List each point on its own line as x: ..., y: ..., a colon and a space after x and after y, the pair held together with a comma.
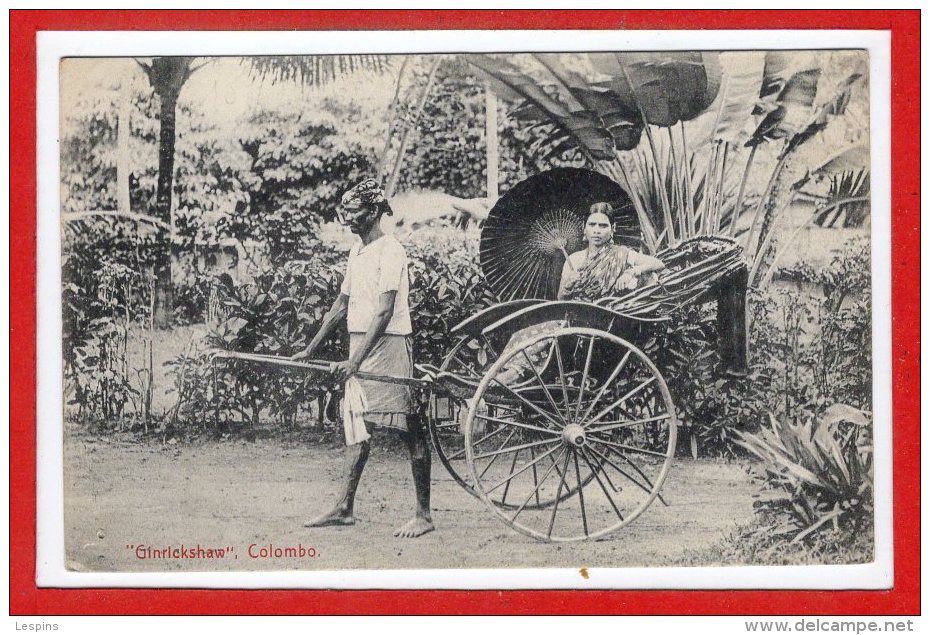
x: 128, y: 499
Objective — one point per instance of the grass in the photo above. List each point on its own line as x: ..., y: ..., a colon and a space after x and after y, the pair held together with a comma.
x: 753, y: 545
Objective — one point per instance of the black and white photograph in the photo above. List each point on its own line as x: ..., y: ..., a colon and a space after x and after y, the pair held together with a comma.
x: 583, y: 310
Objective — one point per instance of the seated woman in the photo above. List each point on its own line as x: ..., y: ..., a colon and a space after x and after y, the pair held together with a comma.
x: 600, y: 270
x: 603, y: 268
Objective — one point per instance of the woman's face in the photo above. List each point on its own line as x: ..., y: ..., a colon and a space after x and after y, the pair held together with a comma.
x: 597, y: 230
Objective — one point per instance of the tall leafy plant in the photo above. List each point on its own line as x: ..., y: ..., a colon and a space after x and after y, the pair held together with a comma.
x: 626, y: 113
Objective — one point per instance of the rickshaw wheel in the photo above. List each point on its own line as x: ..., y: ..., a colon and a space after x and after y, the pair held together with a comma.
x: 447, y: 435
x: 596, y: 420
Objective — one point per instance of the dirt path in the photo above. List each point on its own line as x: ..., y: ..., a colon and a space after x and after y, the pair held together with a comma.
x: 120, y: 495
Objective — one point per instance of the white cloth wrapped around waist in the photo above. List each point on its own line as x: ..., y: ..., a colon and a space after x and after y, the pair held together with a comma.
x: 387, y: 404
x: 354, y: 406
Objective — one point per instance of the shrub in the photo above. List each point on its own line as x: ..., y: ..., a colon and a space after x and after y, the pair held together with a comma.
x: 104, y: 380
x: 276, y: 314
x: 810, y: 346
x: 754, y: 544
x: 842, y: 354
x: 711, y: 406
x: 815, y: 472
x: 446, y: 286
x: 282, y: 309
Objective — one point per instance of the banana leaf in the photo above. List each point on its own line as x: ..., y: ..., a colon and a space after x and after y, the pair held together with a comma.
x: 833, y: 107
x: 790, y: 109
x: 623, y: 122
x: 738, y: 95
x: 582, y: 125
x: 665, y: 86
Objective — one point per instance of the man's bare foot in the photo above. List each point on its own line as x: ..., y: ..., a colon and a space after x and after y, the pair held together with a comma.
x: 416, y: 526
x: 335, y: 518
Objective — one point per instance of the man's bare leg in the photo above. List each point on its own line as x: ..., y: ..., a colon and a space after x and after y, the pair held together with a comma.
x: 342, y: 513
x: 418, y: 446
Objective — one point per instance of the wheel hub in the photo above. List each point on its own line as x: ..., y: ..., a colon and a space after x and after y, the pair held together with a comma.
x: 573, y: 435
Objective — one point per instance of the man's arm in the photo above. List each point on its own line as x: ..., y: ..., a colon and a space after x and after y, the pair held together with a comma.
x: 376, y: 329
x: 336, y: 314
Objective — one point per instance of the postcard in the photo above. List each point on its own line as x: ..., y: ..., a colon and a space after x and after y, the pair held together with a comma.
x: 479, y: 310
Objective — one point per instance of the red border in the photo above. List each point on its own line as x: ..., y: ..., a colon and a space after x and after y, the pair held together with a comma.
x: 26, y: 598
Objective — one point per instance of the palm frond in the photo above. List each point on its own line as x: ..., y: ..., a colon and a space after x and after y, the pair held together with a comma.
x: 314, y: 70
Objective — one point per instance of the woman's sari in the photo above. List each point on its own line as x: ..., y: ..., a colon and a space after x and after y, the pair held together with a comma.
x: 604, y: 273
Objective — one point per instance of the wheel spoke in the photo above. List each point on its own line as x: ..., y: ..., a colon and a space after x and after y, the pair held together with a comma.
x: 522, y: 469
x: 616, y: 425
x: 648, y: 490
x: 562, y: 379
x: 528, y: 402
x: 539, y: 379
x: 597, y: 477
x: 535, y: 476
x: 610, y: 481
x: 505, y: 450
x: 558, y: 497
x: 584, y: 377
x: 603, y: 413
x: 606, y: 385
x: 538, y: 485
x: 584, y: 516
x: 631, y: 448
x: 497, y: 454
x: 637, y: 470
x: 513, y: 464
x: 477, y: 443
x: 519, y: 424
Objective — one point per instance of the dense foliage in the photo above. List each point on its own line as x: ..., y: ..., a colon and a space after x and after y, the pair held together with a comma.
x: 447, y: 147
x: 815, y: 472
x: 280, y: 312
x: 277, y: 178
x: 810, y: 347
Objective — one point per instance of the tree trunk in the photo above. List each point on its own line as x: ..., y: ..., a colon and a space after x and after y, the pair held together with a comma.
x: 164, y: 287
x: 122, y: 152
x: 490, y: 124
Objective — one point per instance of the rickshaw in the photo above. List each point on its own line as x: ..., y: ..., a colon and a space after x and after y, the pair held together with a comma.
x: 551, y: 411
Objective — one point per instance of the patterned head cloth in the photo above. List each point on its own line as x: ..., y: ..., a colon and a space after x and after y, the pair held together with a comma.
x: 360, y: 202
x: 367, y: 193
